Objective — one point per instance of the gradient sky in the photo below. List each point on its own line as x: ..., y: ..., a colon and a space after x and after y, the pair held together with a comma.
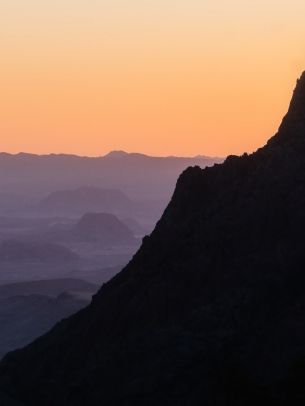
x: 180, y: 77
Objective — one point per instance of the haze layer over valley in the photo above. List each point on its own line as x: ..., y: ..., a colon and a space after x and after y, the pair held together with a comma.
x: 68, y: 218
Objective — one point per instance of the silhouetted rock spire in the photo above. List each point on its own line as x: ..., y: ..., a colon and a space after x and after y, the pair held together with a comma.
x: 296, y: 110
x: 293, y: 124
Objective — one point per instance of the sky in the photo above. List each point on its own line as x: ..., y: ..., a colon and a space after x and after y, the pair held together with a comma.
x: 162, y: 77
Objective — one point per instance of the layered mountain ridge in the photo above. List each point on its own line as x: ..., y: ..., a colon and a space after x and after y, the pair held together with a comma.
x: 209, y: 311
x: 132, y: 173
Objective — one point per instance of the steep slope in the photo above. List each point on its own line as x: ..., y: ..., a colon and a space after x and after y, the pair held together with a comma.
x: 211, y: 308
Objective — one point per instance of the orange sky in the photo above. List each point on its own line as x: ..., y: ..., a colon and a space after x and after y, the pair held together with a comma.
x: 163, y: 77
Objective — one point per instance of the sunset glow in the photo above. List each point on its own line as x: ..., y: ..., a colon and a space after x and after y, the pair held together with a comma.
x: 162, y: 77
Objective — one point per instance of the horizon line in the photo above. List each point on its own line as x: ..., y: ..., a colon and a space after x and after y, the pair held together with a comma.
x: 112, y: 153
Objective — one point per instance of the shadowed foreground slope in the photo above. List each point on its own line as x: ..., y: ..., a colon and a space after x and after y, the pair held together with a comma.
x: 211, y: 309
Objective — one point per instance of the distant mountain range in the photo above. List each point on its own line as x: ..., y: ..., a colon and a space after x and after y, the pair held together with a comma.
x: 139, y: 176
x: 211, y: 309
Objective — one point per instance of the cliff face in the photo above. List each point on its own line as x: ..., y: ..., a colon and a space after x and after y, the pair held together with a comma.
x: 211, y: 308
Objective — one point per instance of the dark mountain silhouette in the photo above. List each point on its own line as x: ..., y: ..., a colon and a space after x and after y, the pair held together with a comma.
x: 13, y: 250
x: 211, y: 309
x: 104, y: 228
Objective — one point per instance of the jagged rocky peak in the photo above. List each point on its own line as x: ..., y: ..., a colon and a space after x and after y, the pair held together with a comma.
x: 294, y: 121
x: 297, y: 105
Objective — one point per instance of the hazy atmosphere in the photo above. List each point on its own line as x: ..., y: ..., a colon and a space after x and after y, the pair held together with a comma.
x: 152, y: 203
